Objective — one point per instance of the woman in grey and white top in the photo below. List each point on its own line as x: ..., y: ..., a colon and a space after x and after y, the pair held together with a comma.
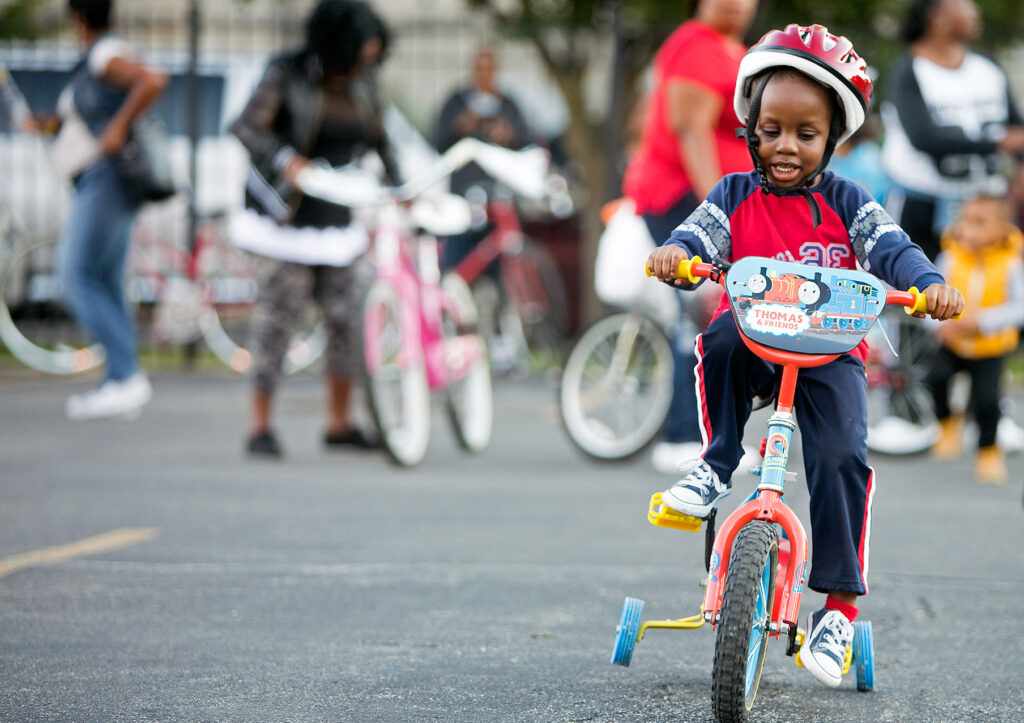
x: 948, y: 115
x: 109, y: 88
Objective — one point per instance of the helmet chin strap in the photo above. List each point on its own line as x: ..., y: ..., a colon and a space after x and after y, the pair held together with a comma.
x: 753, y: 143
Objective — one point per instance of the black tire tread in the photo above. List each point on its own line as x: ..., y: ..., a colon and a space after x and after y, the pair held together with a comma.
x: 753, y: 543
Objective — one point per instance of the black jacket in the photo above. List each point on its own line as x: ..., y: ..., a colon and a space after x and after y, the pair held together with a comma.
x: 285, y: 115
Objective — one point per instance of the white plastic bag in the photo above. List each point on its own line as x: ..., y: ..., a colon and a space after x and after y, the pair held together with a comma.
x: 619, y: 277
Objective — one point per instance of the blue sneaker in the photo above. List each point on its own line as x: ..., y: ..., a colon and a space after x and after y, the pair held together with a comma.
x: 823, y: 653
x: 697, y: 493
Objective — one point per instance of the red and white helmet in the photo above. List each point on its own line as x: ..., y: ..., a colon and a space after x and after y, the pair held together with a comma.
x: 814, y: 51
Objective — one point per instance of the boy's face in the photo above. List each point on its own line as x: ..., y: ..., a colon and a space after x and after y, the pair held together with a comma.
x: 792, y: 128
x: 982, y: 222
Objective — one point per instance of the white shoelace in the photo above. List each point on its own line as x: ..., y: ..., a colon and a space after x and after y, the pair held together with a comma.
x: 836, y: 637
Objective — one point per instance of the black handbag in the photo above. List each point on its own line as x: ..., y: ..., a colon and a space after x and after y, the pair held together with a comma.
x: 144, y: 162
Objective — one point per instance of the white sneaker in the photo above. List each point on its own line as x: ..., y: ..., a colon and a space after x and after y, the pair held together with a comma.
x: 697, y: 493
x: 1009, y: 436
x: 666, y: 457
x: 894, y: 435
x: 823, y: 653
x: 124, y: 398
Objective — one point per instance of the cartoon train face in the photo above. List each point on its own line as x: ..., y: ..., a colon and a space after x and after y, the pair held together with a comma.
x: 842, y: 304
x: 789, y: 289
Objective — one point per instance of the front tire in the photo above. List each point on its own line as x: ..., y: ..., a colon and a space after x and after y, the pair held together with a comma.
x: 469, y: 399
x: 395, y: 375
x: 743, y: 626
x: 538, y: 304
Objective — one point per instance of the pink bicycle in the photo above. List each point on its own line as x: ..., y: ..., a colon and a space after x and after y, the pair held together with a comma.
x: 418, y: 330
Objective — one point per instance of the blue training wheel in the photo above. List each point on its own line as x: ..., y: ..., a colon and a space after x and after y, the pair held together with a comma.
x: 864, y: 655
x: 625, y: 634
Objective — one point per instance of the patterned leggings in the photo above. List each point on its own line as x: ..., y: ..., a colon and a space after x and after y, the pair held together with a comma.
x: 284, y: 294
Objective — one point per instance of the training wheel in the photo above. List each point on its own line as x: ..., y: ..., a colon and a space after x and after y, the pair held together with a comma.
x: 864, y: 655
x: 626, y: 632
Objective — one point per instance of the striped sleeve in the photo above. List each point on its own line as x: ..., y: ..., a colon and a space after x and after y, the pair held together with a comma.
x: 706, y: 232
x: 881, y: 246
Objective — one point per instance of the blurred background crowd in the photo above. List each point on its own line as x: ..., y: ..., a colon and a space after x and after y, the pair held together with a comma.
x: 575, y: 77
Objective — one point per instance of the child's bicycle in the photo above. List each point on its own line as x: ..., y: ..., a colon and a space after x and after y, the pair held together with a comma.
x: 418, y: 331
x: 757, y: 562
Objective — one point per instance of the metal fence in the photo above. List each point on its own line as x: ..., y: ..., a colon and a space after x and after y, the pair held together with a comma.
x: 430, y: 57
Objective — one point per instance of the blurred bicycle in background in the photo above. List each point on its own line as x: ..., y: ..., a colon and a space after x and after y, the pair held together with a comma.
x: 419, y: 331
x: 180, y: 295
x: 617, y: 380
x: 525, y: 314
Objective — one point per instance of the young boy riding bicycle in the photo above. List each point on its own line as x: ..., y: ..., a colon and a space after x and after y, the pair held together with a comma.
x: 800, y: 92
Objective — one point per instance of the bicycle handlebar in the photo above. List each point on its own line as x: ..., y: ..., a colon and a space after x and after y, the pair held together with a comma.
x: 692, y: 270
x: 524, y: 171
x: 913, y: 300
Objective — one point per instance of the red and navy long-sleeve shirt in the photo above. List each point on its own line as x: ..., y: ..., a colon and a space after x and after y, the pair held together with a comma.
x: 737, y: 220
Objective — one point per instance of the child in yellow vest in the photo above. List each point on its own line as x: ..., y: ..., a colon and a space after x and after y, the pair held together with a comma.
x: 982, y: 257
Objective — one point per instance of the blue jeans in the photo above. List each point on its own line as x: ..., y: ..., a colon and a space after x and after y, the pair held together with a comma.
x: 93, y: 253
x: 681, y: 422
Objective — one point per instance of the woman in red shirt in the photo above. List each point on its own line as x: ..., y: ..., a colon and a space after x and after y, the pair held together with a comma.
x: 689, y: 142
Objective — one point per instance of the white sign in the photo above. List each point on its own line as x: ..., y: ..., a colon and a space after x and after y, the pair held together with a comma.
x: 778, y: 319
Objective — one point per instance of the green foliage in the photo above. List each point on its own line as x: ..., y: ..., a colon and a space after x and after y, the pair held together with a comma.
x: 874, y: 25
x: 869, y: 23
x: 581, y: 15
x: 18, y: 20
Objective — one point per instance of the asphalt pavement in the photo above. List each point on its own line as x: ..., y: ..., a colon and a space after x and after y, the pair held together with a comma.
x: 150, y: 572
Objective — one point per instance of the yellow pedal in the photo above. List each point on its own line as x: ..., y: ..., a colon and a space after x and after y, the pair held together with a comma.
x: 664, y: 516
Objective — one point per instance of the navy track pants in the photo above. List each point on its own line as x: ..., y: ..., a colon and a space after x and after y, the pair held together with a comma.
x: 831, y: 412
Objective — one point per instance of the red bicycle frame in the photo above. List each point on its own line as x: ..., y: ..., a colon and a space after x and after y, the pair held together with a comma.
x: 506, y: 235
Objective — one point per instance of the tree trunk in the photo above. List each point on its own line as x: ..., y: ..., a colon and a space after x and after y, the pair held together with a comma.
x: 586, y: 148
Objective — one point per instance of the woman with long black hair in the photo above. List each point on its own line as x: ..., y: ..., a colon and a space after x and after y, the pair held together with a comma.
x: 314, y: 102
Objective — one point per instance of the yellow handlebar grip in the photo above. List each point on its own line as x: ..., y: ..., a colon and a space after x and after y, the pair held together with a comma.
x: 683, y: 272
x: 920, y: 302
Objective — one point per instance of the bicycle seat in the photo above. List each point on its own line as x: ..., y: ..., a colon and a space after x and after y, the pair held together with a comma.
x: 804, y: 309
